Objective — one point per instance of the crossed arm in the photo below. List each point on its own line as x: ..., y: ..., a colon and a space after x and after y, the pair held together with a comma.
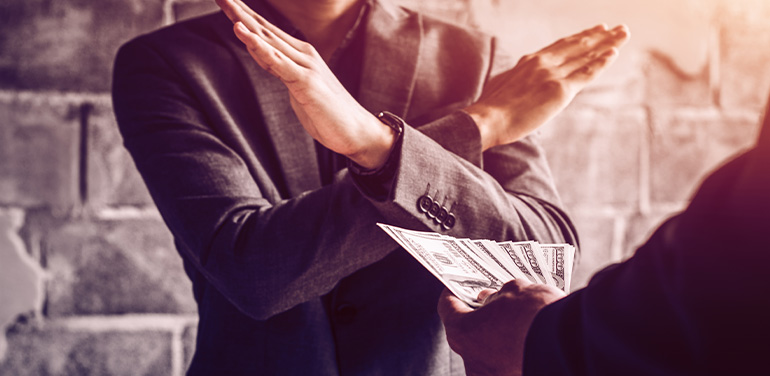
x: 511, y: 106
x: 236, y: 218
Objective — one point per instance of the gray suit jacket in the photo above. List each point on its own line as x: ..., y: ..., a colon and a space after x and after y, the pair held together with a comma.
x: 292, y: 277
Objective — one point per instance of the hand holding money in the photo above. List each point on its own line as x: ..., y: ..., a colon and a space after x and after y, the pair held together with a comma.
x: 494, y: 290
x: 467, y: 267
x: 491, y: 339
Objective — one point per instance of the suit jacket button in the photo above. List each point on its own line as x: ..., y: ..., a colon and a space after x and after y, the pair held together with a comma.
x: 434, y: 210
x: 424, y: 203
x: 441, y: 216
x: 449, y: 222
x: 345, y: 313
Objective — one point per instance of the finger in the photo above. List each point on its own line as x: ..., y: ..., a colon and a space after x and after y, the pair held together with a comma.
x: 486, y: 296
x: 563, y: 41
x: 237, y: 11
x: 450, y: 308
x: 294, y: 42
x: 267, y: 56
x: 592, y: 69
x: 580, y: 40
x: 263, y: 28
x: 615, y: 39
x: 515, y: 286
x: 230, y: 9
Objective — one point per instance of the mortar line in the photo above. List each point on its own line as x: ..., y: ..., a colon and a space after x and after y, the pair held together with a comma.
x: 177, y: 350
x: 47, y: 95
x: 618, y: 238
x: 168, y: 12
x: 85, y: 115
x: 645, y: 167
x: 714, y: 63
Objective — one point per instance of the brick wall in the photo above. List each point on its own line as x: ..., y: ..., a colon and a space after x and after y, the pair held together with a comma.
x: 89, y: 279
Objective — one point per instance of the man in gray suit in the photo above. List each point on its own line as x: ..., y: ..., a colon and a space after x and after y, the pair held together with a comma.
x: 260, y: 147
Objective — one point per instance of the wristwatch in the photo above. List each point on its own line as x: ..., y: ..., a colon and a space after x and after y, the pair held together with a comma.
x: 394, y: 122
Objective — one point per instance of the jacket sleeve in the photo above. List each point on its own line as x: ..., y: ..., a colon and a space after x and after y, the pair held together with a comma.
x: 264, y: 253
x: 505, y: 193
x: 680, y: 305
x: 510, y: 197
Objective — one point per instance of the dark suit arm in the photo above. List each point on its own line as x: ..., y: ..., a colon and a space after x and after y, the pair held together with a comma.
x: 679, y: 305
x: 504, y: 193
x: 264, y: 253
x: 511, y: 198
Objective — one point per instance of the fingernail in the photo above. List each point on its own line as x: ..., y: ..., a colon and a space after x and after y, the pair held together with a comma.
x: 241, y: 27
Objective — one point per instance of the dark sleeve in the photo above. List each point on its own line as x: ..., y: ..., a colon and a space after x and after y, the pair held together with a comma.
x: 506, y: 193
x: 692, y: 301
x: 263, y: 253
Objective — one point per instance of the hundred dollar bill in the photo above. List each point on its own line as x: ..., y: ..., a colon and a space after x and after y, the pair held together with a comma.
x: 510, y: 249
x: 484, y: 257
x: 529, y: 251
x: 463, y: 275
x: 468, y: 266
x: 559, y: 259
x: 502, y: 257
x: 480, y: 264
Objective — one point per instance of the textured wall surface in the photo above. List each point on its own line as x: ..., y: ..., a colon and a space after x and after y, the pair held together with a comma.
x: 89, y: 280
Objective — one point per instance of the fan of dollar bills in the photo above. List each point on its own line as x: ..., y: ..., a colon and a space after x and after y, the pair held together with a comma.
x: 467, y: 266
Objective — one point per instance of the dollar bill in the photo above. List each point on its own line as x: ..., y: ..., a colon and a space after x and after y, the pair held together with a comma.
x: 462, y: 274
x: 486, y: 258
x: 530, y: 252
x: 514, y: 252
x: 558, y: 261
x: 501, y: 256
x: 468, y: 266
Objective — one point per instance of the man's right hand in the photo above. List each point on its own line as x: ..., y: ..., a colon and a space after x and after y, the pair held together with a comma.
x: 491, y: 338
x: 518, y: 101
x: 323, y: 106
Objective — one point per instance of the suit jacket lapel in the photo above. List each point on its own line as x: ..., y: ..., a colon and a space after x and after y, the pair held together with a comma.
x: 293, y: 145
x: 390, y: 59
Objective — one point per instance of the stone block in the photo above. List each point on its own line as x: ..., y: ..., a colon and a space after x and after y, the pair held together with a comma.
x: 595, y: 156
x: 596, y: 233
x: 190, y: 9
x: 679, y: 29
x: 667, y: 85
x: 68, y: 45
x: 39, y: 148
x: 114, y: 267
x: 630, y: 92
x: 745, y: 72
x: 53, y: 350
x: 113, y: 179
x: 21, y: 278
x: 687, y: 144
